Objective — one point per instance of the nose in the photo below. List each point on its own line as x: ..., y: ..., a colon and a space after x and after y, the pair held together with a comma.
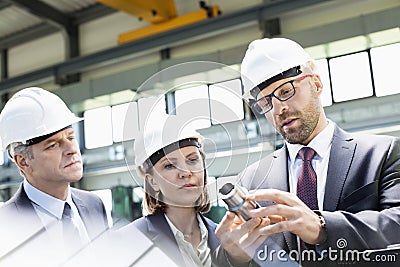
x: 70, y: 147
x: 278, y: 107
x: 185, y: 173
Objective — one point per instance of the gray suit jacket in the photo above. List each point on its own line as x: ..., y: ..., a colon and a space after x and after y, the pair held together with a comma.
x: 22, y: 229
x: 362, y: 194
x: 156, y: 228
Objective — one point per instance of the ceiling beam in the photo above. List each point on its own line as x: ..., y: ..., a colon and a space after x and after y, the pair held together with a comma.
x: 205, y: 28
x: 44, y: 11
x: 4, y: 4
x: 91, y: 13
x: 26, y: 35
x: 41, y: 30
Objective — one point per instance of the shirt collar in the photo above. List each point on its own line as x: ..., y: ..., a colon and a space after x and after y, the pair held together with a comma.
x: 319, y: 143
x: 176, y: 232
x: 51, y: 204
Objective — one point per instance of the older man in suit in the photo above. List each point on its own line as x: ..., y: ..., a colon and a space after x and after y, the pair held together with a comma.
x: 46, y: 222
x: 327, y: 192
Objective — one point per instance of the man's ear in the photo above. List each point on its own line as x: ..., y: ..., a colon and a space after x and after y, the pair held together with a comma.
x: 318, y: 83
x: 153, y: 183
x: 22, y: 162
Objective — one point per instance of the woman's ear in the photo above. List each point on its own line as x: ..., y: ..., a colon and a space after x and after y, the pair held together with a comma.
x: 153, y: 183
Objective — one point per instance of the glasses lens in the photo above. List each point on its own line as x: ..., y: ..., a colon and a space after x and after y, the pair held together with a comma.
x: 263, y: 105
x: 285, y: 91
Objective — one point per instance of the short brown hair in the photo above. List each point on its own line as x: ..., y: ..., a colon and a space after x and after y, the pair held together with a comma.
x: 153, y: 201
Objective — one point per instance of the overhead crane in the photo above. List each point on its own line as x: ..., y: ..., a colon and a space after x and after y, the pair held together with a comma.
x: 161, y: 14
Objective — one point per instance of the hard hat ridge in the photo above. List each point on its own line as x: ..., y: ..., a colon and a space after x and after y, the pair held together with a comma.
x: 172, y: 132
x: 159, y: 154
x: 33, y: 112
x: 266, y: 59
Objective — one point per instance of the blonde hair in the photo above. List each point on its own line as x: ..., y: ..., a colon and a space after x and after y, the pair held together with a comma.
x: 153, y: 200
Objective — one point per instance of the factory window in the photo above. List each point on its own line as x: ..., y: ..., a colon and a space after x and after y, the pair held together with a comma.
x: 152, y: 111
x: 192, y: 104
x: 125, y: 122
x: 384, y: 67
x: 323, y: 71
x: 226, y: 102
x: 98, y: 130
x: 138, y: 194
x: 351, y: 77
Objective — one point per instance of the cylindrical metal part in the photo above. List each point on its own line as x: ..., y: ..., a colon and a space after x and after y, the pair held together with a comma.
x: 235, y: 198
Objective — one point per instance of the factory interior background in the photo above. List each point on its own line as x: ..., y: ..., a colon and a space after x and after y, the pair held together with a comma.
x: 104, y: 58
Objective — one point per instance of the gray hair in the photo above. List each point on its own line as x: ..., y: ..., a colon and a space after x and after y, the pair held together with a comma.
x: 20, y: 148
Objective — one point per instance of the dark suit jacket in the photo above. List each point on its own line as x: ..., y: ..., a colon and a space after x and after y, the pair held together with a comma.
x: 362, y: 194
x: 23, y: 229
x: 157, y: 229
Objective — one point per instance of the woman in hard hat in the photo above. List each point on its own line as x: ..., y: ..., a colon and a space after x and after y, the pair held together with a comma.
x: 175, y: 184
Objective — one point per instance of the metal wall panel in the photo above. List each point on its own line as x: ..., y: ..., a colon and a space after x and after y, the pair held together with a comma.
x: 69, y: 6
x: 13, y: 19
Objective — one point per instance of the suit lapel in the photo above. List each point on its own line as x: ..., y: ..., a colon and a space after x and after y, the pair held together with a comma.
x: 275, y: 180
x: 342, y: 153
x: 24, y: 205
x: 160, y: 233
x: 82, y: 209
x: 87, y: 219
x: 279, y: 163
x: 213, y: 241
x: 24, y: 219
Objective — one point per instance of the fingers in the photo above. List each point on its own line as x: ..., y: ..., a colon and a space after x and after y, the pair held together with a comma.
x: 253, y: 238
x: 274, y: 195
x: 225, y: 226
x: 277, y: 212
x: 244, y: 229
x: 276, y: 228
x: 231, y: 228
x: 276, y: 218
x: 288, y: 213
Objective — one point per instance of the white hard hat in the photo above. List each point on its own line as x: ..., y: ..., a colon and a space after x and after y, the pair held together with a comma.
x: 33, y: 112
x: 157, y: 139
x: 266, y: 58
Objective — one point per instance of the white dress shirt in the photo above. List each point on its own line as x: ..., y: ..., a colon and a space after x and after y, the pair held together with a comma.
x: 50, y: 210
x: 189, y: 255
x: 322, y: 144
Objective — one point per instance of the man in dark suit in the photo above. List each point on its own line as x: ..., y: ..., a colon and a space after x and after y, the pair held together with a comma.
x: 329, y: 194
x: 46, y: 222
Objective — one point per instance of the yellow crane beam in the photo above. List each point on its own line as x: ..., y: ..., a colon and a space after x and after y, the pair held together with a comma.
x: 153, y: 11
x: 179, y: 21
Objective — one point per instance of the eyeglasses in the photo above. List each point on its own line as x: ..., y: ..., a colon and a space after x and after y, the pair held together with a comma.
x: 283, y: 92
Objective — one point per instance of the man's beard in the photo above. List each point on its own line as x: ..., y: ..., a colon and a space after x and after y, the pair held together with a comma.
x: 309, y: 120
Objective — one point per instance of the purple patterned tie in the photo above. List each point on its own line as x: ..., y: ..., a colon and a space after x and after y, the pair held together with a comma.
x: 307, y: 183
